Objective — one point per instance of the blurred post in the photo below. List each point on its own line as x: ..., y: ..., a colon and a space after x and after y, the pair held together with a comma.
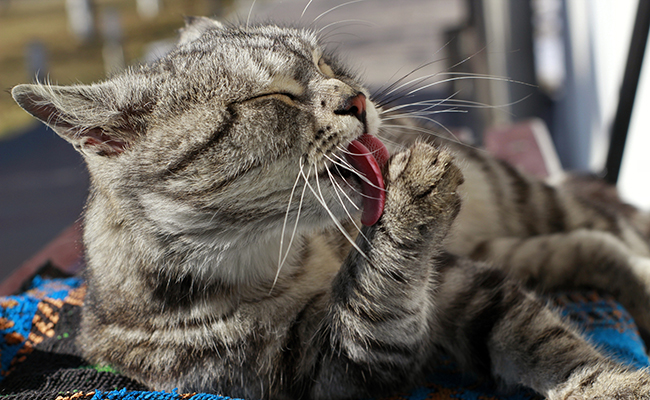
x: 148, y: 9
x: 112, y: 34
x: 81, y: 19
x: 36, y: 57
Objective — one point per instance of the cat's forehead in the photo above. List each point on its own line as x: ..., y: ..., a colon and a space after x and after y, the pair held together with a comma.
x: 231, y: 62
x: 266, y: 43
x: 300, y: 41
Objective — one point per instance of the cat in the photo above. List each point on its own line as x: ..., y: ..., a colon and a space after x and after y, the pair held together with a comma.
x: 224, y: 250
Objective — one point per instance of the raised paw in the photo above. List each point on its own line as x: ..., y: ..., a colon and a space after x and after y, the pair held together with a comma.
x: 421, y: 197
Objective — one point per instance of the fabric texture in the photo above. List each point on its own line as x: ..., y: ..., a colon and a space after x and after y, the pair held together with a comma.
x: 39, y: 359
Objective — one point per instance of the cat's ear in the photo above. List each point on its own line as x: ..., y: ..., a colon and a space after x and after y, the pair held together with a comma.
x: 87, y: 116
x: 195, y: 27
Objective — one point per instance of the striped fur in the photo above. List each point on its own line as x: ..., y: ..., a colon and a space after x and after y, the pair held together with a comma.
x: 223, y: 253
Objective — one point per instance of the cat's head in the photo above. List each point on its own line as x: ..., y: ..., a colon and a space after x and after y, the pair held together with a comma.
x: 220, y: 134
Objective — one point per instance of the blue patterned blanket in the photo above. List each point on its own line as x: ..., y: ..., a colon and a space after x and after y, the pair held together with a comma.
x: 38, y: 359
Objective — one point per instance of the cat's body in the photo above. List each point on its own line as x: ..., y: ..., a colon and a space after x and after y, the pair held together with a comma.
x: 198, y: 279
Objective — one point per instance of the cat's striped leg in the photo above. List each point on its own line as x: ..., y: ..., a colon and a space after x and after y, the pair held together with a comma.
x: 581, y: 258
x: 376, y: 337
x: 492, y: 325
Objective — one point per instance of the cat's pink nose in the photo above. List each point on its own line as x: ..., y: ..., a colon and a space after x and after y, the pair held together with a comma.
x: 356, y: 106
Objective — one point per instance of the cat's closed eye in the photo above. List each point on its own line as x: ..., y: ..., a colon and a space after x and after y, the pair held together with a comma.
x: 285, y: 96
x: 325, y: 68
x: 283, y: 87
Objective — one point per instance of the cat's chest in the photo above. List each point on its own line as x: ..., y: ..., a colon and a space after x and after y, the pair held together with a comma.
x: 322, y: 256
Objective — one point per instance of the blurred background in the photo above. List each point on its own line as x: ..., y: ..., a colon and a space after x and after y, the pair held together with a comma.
x: 560, y: 62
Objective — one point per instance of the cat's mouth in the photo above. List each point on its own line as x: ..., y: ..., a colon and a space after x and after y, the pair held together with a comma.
x: 368, y: 155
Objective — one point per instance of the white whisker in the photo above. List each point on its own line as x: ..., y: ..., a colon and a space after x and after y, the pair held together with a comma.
x: 462, y: 74
x: 353, y: 170
x: 281, y: 259
x: 473, y: 104
x: 475, y: 75
x: 326, y: 39
x: 413, y: 114
x: 335, y: 186
x: 334, y: 8
x: 387, y: 140
x: 430, y: 132
x: 355, y: 21
x: 340, y: 227
x: 305, y: 9
x: 429, y: 103
x: 250, y: 11
x: 346, y: 151
x: 464, y: 77
x: 355, y: 189
x: 437, y: 123
x: 382, y: 92
x: 413, y: 82
x: 343, y: 162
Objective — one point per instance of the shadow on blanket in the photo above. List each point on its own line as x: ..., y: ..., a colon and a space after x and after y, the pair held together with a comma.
x: 38, y: 358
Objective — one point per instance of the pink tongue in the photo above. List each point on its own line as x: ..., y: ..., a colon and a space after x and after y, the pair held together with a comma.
x: 367, y: 154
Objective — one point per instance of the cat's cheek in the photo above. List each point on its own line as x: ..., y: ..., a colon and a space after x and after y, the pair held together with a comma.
x: 170, y: 216
x: 373, y: 122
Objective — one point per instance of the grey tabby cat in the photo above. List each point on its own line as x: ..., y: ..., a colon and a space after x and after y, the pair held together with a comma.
x: 225, y: 181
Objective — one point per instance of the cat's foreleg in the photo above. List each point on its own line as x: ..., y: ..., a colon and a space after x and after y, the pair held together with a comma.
x: 581, y: 258
x: 377, y: 332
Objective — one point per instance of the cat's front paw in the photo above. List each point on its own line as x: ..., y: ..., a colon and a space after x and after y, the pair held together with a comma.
x: 421, y: 198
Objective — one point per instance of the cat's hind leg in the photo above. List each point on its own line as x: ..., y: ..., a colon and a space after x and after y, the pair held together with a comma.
x: 492, y: 325
x: 578, y: 259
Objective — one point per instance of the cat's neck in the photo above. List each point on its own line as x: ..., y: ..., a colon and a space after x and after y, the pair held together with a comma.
x: 236, y: 261
x: 249, y: 262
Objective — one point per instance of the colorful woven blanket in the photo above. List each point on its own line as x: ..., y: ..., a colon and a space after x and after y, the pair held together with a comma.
x: 38, y: 358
